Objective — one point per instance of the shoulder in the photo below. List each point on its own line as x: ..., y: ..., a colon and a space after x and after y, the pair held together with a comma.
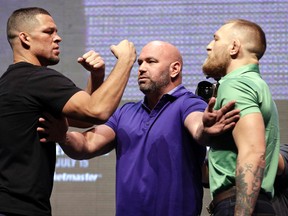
x: 130, y: 104
x: 239, y: 88
x: 128, y: 107
x: 185, y: 96
x: 244, y: 91
x: 50, y: 76
x: 45, y: 71
x: 192, y: 101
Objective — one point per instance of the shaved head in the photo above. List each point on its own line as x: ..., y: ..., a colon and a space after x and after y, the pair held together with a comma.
x: 23, y: 19
x: 250, y: 34
x: 165, y: 49
x: 160, y: 68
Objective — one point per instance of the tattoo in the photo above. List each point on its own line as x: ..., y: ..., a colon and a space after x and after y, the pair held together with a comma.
x: 245, y: 201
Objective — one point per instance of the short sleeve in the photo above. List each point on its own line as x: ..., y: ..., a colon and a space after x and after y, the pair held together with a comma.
x: 192, y: 104
x: 51, y: 89
x: 243, y: 91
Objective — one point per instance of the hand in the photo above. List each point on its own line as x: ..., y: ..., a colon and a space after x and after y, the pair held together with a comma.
x: 125, y: 50
x: 93, y: 62
x: 217, y: 122
x: 53, y: 129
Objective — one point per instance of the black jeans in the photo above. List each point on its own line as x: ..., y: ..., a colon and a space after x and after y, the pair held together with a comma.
x: 226, y: 207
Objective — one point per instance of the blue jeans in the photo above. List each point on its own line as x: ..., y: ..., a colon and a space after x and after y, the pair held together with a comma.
x: 226, y: 207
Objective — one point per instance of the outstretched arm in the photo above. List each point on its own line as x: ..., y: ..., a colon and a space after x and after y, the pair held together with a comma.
x: 205, y: 126
x: 91, y: 143
x: 94, y: 142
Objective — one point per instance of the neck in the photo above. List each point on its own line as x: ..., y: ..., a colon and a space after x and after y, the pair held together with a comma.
x: 152, y: 100
x: 22, y: 56
x: 239, y: 63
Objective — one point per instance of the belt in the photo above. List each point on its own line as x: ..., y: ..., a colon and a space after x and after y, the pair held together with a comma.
x: 231, y: 192
x: 219, y: 197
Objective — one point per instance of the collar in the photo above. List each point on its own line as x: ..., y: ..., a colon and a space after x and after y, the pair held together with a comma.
x: 240, y: 71
x: 169, y: 96
x: 175, y: 89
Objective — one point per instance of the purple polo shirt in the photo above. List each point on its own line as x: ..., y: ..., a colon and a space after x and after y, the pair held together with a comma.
x: 158, y: 170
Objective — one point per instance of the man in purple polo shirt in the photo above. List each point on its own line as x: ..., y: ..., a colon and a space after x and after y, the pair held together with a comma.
x: 156, y: 140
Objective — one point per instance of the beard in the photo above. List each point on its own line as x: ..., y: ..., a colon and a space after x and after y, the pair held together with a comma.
x: 53, y: 61
x: 148, y: 87
x: 151, y: 86
x: 49, y: 61
x: 216, y: 67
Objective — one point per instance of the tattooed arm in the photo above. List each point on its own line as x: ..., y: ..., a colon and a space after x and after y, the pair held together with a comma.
x: 249, y: 136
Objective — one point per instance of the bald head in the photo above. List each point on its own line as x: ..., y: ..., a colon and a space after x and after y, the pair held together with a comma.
x: 160, y: 68
x: 165, y: 50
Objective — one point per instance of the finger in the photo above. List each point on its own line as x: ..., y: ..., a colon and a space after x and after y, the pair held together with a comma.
x: 44, y: 122
x: 97, y: 63
x: 92, y: 57
x: 229, y: 126
x: 228, y: 107
x: 234, y: 112
x: 80, y: 60
x: 89, y: 54
x: 40, y: 129
x: 41, y: 119
x: 113, y: 50
x: 211, y: 104
x: 232, y: 119
x: 44, y: 140
x: 83, y: 59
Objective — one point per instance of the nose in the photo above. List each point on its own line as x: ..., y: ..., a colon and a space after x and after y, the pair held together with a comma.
x: 209, y: 46
x: 142, y: 68
x: 57, y: 38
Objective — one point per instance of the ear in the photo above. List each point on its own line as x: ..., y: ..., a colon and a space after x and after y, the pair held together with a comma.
x: 175, y: 69
x: 24, y: 38
x: 235, y: 47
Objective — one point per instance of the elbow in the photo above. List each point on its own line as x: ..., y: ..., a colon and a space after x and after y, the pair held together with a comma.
x: 99, y: 117
x: 103, y: 115
x: 96, y: 116
x: 99, y: 114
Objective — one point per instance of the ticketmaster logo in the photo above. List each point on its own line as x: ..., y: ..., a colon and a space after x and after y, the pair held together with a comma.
x: 76, y: 177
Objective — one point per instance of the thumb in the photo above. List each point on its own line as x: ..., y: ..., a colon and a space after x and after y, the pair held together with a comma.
x: 211, y: 104
x: 113, y: 50
x: 80, y: 60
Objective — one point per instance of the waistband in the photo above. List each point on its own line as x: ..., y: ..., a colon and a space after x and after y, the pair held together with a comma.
x: 231, y: 192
